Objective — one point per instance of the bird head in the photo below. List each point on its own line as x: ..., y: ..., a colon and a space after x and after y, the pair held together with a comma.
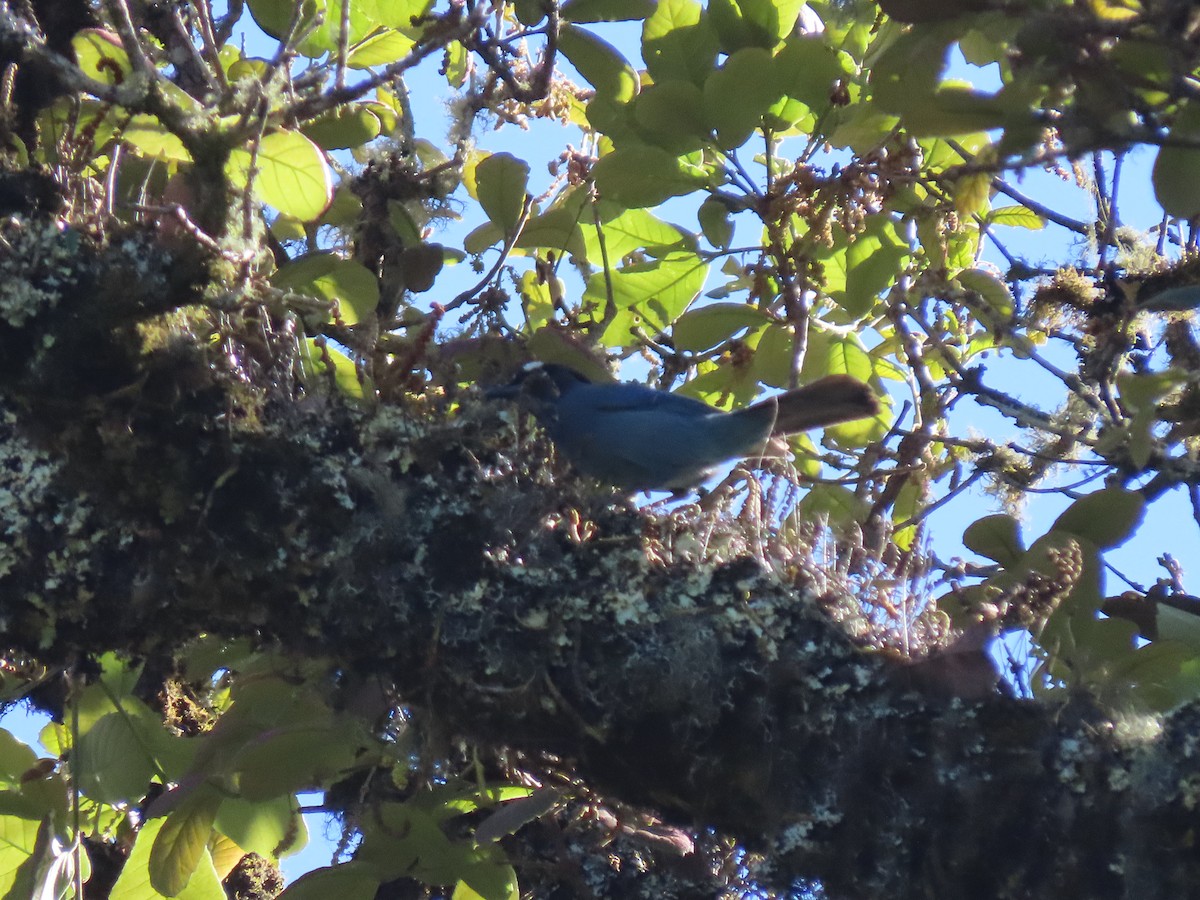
x: 540, y: 385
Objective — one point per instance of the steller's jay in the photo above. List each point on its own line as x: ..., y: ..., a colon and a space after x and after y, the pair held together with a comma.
x: 635, y: 437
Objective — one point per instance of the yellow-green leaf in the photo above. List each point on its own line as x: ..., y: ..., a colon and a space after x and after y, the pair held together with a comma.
x: 349, y: 881
x: 100, y: 55
x: 602, y: 64
x: 182, y: 841
x: 147, y: 137
x: 292, y: 177
x: 1106, y: 517
x: 134, y: 881
x: 500, y: 187
x: 737, y: 95
x: 640, y: 176
x: 678, y: 41
x: 1174, y: 175
x: 997, y: 537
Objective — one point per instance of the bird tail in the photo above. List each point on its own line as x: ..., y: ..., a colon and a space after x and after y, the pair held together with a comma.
x: 827, y: 401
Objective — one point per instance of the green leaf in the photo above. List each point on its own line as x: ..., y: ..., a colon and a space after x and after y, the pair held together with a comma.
x: 911, y: 65
x: 953, y: 110
x: 457, y: 60
x: 872, y: 262
x: 600, y: 63
x: 343, y: 127
x: 716, y: 222
x: 529, y: 12
x: 182, y: 841
x: 488, y: 881
x: 1143, y: 390
x: 346, y: 282
x: 500, y: 186
x: 18, y: 838
x: 1016, y: 217
x: 147, y: 137
x: 380, y: 50
x: 320, y: 360
x: 627, y: 230
x: 638, y: 176
x: 99, y: 55
x: 269, y: 828
x: 321, y: 20
x: 838, y: 505
x: 656, y: 292
x: 737, y: 95
x: 702, y: 329
x: 995, y: 293
x: 134, y: 880
x: 1178, y: 625
x: 285, y: 760
x: 403, y: 839
x: 115, y: 760
x: 584, y: 11
x: 807, y: 68
x: 847, y: 356
x: 678, y: 42
x: 401, y: 218
x: 293, y: 176
x: 752, y: 23
x: 860, y: 127
x: 1106, y: 517
x: 1174, y: 174
x: 349, y: 881
x: 1176, y: 299
x: 274, y: 16
x: 773, y: 356
x: 399, y: 14
x: 997, y: 537
x: 673, y: 115
x: 16, y: 758
x: 557, y: 229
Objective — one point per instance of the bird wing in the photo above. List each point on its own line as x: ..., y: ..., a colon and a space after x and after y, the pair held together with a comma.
x: 628, y: 397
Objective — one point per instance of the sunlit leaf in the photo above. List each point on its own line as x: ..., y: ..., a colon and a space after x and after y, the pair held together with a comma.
x: 645, y: 176
x: 602, y: 64
x: 737, y: 95
x: 1017, y: 217
x: 500, y: 187
x: 349, y: 881
x: 678, y: 41
x: 997, y: 537
x: 716, y: 222
x: 834, y: 503
x: 147, y: 137
x: 346, y: 282
x: 100, y: 55
x: 1106, y: 517
x: 182, y: 841
x: 134, y: 880
x: 343, y: 127
x: 703, y: 328
x: 269, y: 827
x: 1174, y: 172
x: 293, y: 176
x: 380, y: 50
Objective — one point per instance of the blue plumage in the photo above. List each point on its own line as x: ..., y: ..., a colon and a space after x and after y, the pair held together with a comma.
x: 635, y: 437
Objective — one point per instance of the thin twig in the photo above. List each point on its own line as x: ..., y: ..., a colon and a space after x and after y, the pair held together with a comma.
x: 504, y: 252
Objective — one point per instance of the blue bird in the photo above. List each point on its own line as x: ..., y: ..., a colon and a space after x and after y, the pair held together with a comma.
x: 634, y: 437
